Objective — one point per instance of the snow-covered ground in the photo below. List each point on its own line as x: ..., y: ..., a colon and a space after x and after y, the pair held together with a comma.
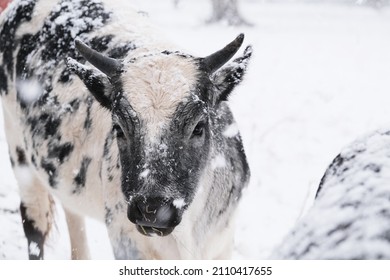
x: 319, y: 78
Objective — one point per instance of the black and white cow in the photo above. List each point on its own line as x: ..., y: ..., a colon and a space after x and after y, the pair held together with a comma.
x: 350, y: 218
x: 117, y: 124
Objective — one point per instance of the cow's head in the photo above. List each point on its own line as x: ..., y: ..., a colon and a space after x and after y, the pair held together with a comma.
x: 162, y: 106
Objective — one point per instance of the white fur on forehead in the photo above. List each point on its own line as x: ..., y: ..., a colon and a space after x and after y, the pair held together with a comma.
x: 156, y: 85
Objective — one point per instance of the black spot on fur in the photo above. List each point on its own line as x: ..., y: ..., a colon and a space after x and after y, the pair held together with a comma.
x: 21, y: 156
x: 88, y: 118
x: 27, y: 44
x: 44, y: 117
x: 177, y: 53
x: 35, y: 238
x: 60, y: 152
x: 75, y: 104
x: 107, y: 145
x: 23, y: 13
x: 108, y: 216
x: 34, y: 162
x: 44, y: 125
x: 121, y: 51
x: 110, y: 168
x: 45, y: 98
x: 3, y: 82
x: 51, y: 171
x: 32, y: 122
x: 81, y: 176
x: 118, y: 164
x: 100, y: 43
x: 52, y: 126
x: 59, y: 43
x: 166, y: 52
x: 65, y: 77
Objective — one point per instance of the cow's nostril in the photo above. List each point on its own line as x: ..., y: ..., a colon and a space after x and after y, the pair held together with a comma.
x: 165, y: 214
x: 134, y: 213
x: 150, y: 210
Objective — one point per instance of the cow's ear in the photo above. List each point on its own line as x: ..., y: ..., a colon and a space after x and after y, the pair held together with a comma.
x: 96, y: 82
x: 228, y: 77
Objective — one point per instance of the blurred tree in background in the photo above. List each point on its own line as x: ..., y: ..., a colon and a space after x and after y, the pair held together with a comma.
x: 373, y: 3
x: 226, y: 11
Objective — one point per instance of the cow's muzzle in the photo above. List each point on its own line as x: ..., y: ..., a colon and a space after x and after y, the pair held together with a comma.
x: 153, y: 216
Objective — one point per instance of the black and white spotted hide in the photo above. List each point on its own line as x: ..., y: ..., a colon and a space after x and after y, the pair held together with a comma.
x: 351, y: 213
x: 120, y: 127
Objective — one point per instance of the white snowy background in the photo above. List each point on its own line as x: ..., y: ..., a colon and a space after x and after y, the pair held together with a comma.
x: 319, y: 78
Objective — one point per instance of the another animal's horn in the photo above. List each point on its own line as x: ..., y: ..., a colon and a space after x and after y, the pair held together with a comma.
x: 107, y: 65
x: 219, y: 58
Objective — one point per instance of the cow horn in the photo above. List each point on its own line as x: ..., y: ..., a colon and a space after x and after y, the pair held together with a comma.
x: 107, y: 65
x: 219, y: 58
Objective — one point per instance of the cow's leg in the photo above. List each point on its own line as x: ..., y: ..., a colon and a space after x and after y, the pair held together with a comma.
x: 36, y: 206
x: 78, y: 237
x: 36, y: 209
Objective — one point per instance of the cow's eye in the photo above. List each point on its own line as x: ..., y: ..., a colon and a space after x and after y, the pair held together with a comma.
x: 199, y: 129
x: 118, y: 131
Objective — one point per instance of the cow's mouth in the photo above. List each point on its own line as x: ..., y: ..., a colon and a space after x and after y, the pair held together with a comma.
x: 154, y: 231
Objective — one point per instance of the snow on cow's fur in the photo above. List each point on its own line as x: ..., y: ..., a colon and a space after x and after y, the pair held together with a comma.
x: 350, y: 217
x: 120, y: 126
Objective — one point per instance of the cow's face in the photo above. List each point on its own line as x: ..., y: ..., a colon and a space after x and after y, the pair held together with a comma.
x: 163, y: 136
x: 162, y: 106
